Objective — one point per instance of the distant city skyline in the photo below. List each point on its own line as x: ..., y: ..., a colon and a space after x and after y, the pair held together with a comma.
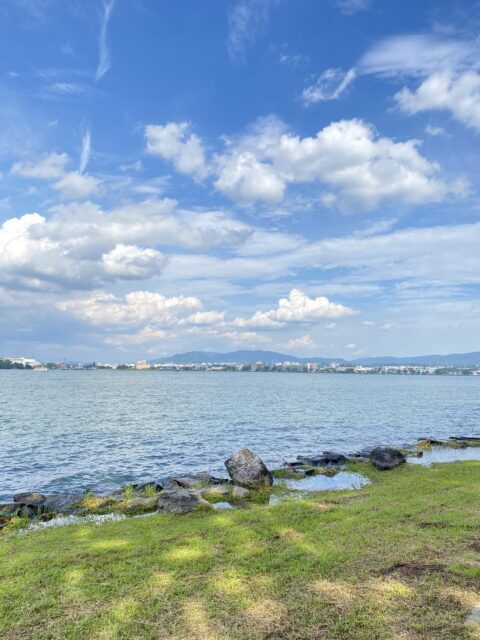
x: 259, y: 174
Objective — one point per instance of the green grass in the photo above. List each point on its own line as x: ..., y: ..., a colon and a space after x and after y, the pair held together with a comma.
x: 399, y: 559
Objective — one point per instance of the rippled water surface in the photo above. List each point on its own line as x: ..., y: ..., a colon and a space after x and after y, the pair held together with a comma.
x: 73, y: 430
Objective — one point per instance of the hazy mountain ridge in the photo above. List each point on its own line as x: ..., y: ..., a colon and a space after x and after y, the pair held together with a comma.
x: 270, y: 357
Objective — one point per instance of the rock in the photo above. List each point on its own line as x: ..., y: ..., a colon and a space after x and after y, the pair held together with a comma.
x: 429, y: 442
x: 241, y: 492
x: 193, y: 481
x: 65, y: 503
x: 30, y: 499
x: 9, y: 509
x: 139, y: 505
x: 143, y: 486
x: 467, y: 439
x: 215, y: 490
x: 181, y: 501
x: 327, y: 458
x: 385, y: 458
x: 247, y: 470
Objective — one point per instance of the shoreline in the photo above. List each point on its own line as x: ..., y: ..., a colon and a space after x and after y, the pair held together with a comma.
x: 142, y: 497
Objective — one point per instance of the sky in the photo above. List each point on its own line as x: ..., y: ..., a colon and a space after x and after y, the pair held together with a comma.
x: 290, y: 175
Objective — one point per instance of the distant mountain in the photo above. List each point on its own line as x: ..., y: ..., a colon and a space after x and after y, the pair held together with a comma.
x: 270, y: 357
x: 237, y: 357
x: 451, y: 359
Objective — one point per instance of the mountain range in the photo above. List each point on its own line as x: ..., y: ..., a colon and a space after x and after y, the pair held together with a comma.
x: 270, y: 357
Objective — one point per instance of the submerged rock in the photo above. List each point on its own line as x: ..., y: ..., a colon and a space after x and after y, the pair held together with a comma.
x: 385, y: 458
x: 181, y: 501
x: 246, y: 469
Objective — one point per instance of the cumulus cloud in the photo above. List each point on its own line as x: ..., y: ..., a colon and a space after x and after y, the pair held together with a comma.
x: 298, y: 307
x: 71, y: 185
x: 135, y: 308
x: 330, y: 85
x: 82, y: 246
x: 48, y: 167
x: 448, y: 70
x: 175, y: 143
x: 354, y: 167
x: 448, y: 91
x: 76, y: 186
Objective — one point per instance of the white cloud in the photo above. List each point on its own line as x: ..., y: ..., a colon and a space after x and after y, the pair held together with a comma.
x: 49, y: 167
x: 434, y: 131
x: 331, y: 85
x: 66, y: 88
x: 302, y: 342
x: 76, y: 186
x: 86, y: 150
x: 104, y: 59
x: 457, y: 93
x: 246, y: 22
x: 350, y: 7
x: 417, y: 55
x: 175, y: 143
x: 131, y: 262
x: 138, y: 308
x: 356, y: 167
x: 298, y: 307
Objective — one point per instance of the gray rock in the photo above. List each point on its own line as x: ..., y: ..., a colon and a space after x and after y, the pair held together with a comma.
x: 192, y: 481
x: 241, y: 492
x: 181, y: 501
x: 215, y: 490
x: 327, y: 458
x: 139, y: 505
x: 30, y: 499
x: 9, y: 509
x: 142, y: 486
x: 65, y: 503
x: 247, y: 470
x: 385, y: 458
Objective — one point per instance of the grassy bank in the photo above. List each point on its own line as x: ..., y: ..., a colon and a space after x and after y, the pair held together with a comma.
x: 399, y: 559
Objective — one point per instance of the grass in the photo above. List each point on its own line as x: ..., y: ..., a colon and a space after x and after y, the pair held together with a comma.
x: 399, y: 559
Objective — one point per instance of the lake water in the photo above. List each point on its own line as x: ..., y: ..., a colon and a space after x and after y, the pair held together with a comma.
x: 74, y: 430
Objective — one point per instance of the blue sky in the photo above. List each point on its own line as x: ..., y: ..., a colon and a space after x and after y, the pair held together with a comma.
x: 295, y: 176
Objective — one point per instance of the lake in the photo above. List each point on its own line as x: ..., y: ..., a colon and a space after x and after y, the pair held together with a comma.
x: 75, y: 430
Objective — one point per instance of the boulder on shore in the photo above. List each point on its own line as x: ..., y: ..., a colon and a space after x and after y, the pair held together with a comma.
x: 386, y: 458
x: 30, y: 499
x: 247, y: 470
x: 181, y: 501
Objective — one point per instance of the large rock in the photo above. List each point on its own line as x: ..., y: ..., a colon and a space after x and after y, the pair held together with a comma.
x: 65, y: 503
x: 181, y: 501
x: 247, y: 470
x: 327, y: 458
x: 190, y: 481
x: 385, y: 458
x: 30, y: 499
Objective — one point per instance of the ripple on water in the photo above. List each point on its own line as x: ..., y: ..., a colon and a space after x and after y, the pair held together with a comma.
x: 447, y: 454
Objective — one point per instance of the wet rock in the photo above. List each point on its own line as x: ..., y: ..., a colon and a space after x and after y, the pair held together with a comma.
x: 430, y: 442
x: 241, y: 492
x: 247, y: 470
x: 327, y: 458
x: 64, y: 503
x: 385, y: 458
x: 181, y: 501
x: 472, y: 439
x: 30, y: 499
